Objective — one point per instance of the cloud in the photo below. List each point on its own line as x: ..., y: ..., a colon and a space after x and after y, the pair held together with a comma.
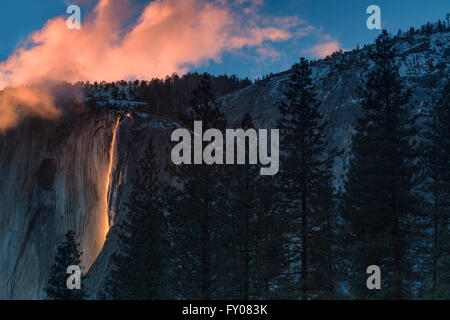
x: 267, y: 52
x: 47, y: 100
x: 16, y: 103
x: 126, y: 39
x: 168, y: 36
x: 324, y: 49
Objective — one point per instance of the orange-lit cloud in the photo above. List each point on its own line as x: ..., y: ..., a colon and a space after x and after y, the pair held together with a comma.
x: 168, y: 36
x: 324, y: 49
x: 16, y: 103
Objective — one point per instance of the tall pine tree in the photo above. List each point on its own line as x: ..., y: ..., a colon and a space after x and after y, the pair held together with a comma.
x: 240, y: 249
x: 380, y: 205
x: 255, y: 230
x: 436, y: 164
x: 199, y: 209
x: 306, y: 178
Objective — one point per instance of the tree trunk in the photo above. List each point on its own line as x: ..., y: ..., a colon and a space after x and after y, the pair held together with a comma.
x: 205, y: 254
x: 246, y: 246
x: 304, y: 272
x: 397, y: 249
x: 435, y: 248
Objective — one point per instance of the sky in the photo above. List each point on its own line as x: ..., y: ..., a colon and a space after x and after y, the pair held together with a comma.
x: 256, y: 37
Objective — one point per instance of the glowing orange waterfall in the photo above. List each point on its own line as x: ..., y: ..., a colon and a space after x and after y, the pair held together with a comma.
x: 97, y: 224
x: 108, y: 181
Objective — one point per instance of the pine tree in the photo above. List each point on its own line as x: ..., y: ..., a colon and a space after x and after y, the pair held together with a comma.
x: 68, y: 254
x: 436, y: 163
x: 254, y: 232
x: 380, y: 205
x: 306, y: 176
x: 140, y: 269
x: 240, y: 249
x: 199, y: 208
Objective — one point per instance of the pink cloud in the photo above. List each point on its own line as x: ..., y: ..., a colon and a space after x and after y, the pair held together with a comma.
x: 267, y: 52
x: 324, y: 49
x: 169, y: 36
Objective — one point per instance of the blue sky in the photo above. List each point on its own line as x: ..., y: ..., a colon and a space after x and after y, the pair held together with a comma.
x: 343, y: 21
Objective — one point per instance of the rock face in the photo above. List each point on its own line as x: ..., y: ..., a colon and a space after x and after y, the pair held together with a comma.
x: 52, y: 179
x: 69, y: 175
x: 132, y: 138
x: 423, y: 63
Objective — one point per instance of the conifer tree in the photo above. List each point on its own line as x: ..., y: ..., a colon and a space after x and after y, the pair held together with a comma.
x: 68, y: 254
x: 305, y: 171
x: 380, y: 204
x: 140, y: 269
x: 199, y: 208
x: 255, y: 232
x: 436, y: 163
x: 240, y: 249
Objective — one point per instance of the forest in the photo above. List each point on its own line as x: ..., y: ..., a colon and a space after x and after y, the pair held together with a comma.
x: 226, y: 232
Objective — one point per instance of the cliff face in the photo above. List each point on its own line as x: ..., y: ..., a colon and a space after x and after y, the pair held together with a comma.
x: 424, y: 61
x: 73, y: 174
x: 52, y: 179
x: 132, y: 138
